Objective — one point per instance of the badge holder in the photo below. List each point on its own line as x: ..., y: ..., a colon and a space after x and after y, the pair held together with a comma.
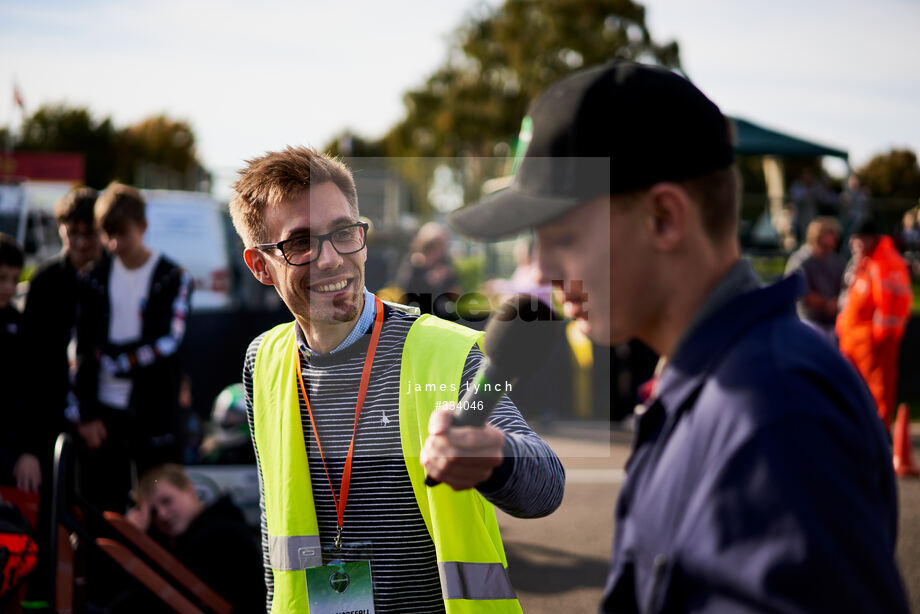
x: 344, y: 582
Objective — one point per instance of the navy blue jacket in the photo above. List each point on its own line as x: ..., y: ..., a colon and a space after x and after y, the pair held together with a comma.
x: 761, y: 478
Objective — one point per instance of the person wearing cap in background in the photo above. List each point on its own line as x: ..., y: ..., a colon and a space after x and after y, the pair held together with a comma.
x: 876, y: 308
x: 760, y: 479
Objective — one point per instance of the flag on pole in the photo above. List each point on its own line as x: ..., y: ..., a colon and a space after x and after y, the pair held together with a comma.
x: 17, y: 97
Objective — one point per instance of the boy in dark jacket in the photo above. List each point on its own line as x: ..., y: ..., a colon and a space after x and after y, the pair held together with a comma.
x: 131, y: 319
x: 213, y: 542
x: 18, y: 457
x: 51, y: 312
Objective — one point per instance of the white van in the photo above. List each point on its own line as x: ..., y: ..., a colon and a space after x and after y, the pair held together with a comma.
x: 188, y: 227
x: 191, y: 229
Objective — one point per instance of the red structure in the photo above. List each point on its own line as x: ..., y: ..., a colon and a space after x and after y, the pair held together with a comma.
x: 43, y: 166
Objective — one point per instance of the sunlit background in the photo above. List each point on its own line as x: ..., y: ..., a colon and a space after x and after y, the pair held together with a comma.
x: 250, y: 77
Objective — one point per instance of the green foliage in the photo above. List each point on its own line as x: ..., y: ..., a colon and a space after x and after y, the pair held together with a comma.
x: 348, y: 144
x: 895, y: 174
x: 500, y: 59
x: 471, y: 272
x: 162, y: 141
x: 751, y: 170
x: 63, y: 128
x: 111, y: 153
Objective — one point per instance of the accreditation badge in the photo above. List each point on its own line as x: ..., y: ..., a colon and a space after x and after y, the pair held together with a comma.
x: 343, y: 584
x: 341, y: 588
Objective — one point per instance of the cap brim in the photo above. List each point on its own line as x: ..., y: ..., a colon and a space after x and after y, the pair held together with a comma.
x: 508, y: 212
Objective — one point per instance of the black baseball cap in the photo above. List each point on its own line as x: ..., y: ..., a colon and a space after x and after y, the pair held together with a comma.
x: 611, y: 129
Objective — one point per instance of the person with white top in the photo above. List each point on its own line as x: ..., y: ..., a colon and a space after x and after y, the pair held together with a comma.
x: 131, y: 320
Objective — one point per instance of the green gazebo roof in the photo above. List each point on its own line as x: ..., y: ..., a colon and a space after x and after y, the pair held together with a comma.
x: 757, y: 140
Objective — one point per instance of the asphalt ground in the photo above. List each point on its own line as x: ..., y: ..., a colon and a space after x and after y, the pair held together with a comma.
x: 559, y: 563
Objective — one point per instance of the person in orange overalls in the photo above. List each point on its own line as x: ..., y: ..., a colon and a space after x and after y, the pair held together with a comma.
x: 875, y: 312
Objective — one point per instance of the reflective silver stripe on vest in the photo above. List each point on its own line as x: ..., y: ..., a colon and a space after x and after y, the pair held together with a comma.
x: 294, y: 552
x: 475, y: 581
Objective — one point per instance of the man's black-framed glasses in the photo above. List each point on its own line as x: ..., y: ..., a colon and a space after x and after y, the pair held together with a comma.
x: 298, y: 251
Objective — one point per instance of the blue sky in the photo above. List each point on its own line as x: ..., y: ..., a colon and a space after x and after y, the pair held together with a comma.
x: 255, y: 77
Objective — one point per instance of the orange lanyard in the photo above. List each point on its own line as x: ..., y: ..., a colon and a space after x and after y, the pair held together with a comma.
x: 342, y: 499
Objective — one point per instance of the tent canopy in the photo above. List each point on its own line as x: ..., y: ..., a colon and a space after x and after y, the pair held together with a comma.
x: 757, y: 140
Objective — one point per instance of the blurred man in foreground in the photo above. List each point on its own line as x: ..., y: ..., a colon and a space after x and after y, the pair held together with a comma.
x: 875, y: 313
x: 760, y: 478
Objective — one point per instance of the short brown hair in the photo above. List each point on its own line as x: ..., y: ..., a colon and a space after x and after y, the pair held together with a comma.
x: 76, y: 206
x: 118, y: 204
x: 281, y: 176
x: 169, y: 472
x: 819, y: 225
x: 718, y: 196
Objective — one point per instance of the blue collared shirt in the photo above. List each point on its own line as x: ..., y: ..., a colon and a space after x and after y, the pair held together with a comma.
x: 363, y: 324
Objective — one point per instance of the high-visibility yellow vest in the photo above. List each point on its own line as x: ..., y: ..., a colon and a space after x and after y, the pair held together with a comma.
x: 462, y: 525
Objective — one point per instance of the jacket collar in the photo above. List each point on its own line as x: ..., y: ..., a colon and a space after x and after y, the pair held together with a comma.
x: 708, y: 338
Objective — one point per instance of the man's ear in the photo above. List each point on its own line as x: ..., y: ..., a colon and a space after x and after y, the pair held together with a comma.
x: 670, y: 209
x: 255, y: 260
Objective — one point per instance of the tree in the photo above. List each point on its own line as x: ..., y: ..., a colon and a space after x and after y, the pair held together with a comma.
x: 895, y: 174
x: 62, y: 128
x: 500, y: 60
x: 155, y: 152
x: 503, y: 59
x: 160, y: 152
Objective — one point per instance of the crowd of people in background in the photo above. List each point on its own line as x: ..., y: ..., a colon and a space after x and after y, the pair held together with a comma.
x: 95, y: 353
x: 862, y: 306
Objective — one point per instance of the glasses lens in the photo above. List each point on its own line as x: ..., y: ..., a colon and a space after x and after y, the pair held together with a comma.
x: 300, y: 250
x: 348, y: 240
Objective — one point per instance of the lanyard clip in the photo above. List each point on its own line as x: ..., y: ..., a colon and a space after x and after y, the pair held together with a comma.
x: 338, y: 538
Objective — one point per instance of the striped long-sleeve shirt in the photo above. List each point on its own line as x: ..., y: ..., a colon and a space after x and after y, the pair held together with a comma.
x: 381, y: 504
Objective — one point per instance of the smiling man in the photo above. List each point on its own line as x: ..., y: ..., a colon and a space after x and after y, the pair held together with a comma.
x: 760, y: 479
x: 339, y: 440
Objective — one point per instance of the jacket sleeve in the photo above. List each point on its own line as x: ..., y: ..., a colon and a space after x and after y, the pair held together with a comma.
x: 40, y: 403
x: 530, y: 482
x: 890, y: 286
x: 87, y: 377
x: 124, y: 359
